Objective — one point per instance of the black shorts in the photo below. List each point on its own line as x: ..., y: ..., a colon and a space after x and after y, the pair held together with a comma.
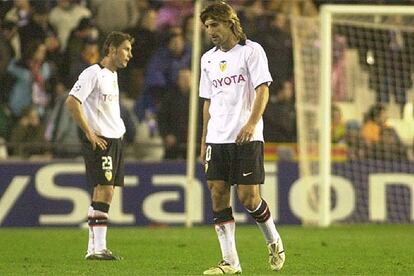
x: 104, y: 167
x: 235, y: 164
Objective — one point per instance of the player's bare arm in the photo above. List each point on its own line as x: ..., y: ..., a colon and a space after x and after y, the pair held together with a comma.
x: 259, y: 105
x: 74, y: 107
x: 206, y: 118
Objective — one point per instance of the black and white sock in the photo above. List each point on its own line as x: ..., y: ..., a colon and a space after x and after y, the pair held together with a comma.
x: 264, y: 220
x: 225, y: 228
x: 98, y: 222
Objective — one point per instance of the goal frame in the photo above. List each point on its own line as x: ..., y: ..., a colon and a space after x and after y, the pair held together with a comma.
x: 326, y: 14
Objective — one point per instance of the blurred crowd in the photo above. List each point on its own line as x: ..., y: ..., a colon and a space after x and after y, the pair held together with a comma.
x: 373, y: 139
x: 44, y: 45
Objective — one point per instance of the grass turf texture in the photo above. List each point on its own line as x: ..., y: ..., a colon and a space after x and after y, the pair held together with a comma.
x: 338, y: 250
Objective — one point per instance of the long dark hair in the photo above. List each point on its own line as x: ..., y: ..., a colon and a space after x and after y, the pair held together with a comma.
x: 223, y: 12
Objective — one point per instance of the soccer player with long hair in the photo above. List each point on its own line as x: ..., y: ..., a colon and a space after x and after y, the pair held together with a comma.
x: 234, y: 82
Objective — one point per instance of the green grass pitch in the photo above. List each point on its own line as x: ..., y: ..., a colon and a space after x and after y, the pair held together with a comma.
x: 337, y: 250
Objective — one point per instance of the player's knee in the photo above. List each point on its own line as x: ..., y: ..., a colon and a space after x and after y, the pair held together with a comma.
x: 219, y: 202
x: 249, y: 201
x: 103, y: 193
x: 248, y: 204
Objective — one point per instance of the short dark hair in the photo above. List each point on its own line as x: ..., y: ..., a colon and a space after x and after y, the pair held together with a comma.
x: 115, y: 39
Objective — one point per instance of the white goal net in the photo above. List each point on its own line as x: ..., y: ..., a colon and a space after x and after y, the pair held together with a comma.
x: 366, y: 112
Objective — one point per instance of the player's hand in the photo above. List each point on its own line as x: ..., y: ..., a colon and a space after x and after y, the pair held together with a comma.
x: 245, y: 134
x: 96, y: 141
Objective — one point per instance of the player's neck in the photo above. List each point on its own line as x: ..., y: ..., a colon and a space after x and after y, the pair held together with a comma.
x: 106, y: 62
x: 229, y: 44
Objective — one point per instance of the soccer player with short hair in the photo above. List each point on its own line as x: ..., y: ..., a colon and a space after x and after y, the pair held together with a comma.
x: 235, y: 83
x: 94, y: 104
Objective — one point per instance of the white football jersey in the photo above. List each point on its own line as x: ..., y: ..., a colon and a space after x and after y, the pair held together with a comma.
x: 97, y: 90
x: 229, y: 80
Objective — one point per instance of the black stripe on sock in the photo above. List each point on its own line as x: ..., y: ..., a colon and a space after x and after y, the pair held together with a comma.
x: 100, y: 206
x: 262, y: 214
x: 223, y: 216
x: 97, y: 221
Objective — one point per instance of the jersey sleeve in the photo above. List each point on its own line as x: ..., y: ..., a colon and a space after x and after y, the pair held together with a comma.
x: 205, y: 84
x: 258, y: 66
x: 84, y: 86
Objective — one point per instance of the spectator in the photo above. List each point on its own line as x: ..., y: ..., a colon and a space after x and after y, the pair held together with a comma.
x: 61, y: 129
x: 339, y: 89
x: 374, y: 121
x: 84, y: 33
x: 123, y: 14
x: 38, y: 26
x: 391, y: 74
x: 162, y: 71
x: 252, y: 18
x: 388, y: 60
x: 171, y: 13
x: 29, y: 133
x: 389, y: 148
x: 280, y: 116
x: 88, y: 55
x: 356, y: 147
x: 31, y: 74
x: 40, y: 29
x: 20, y: 13
x: 187, y: 28
x: 65, y: 17
x: 173, y: 117
x: 146, y: 42
x: 129, y: 122
x: 278, y: 43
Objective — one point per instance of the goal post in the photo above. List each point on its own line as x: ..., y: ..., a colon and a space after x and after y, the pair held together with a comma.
x: 192, y: 126
x: 314, y: 43
x: 325, y: 111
